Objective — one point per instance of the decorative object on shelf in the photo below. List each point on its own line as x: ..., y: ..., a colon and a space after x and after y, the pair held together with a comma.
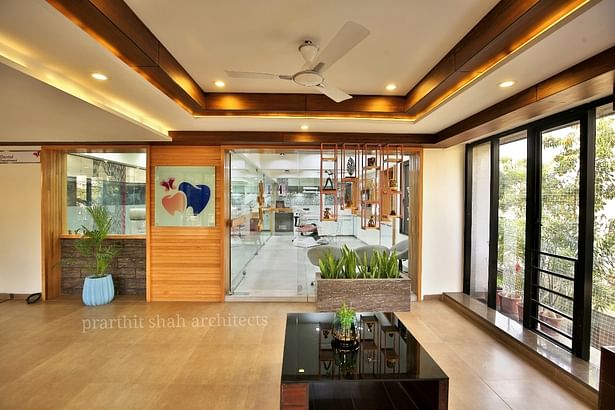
x: 392, y: 213
x: 345, y: 335
x: 372, y: 222
x: 371, y: 161
x: 393, y: 184
x: 351, y: 167
x: 329, y: 181
x: 98, y: 287
x: 327, y: 213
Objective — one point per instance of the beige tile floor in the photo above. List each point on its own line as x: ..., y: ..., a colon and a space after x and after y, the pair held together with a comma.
x: 47, y: 361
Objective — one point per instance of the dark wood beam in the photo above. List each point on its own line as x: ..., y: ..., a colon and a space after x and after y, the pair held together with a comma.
x: 114, y: 25
x: 589, y: 79
x: 510, y: 25
x: 506, y: 27
x: 293, y: 138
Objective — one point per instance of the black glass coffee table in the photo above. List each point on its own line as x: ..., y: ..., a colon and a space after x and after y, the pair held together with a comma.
x: 390, y: 369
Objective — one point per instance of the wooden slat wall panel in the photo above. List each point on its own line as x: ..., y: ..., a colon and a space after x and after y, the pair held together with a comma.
x: 53, y: 204
x: 186, y: 264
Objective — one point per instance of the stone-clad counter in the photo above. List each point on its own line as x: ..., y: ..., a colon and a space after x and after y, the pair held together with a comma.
x: 128, y: 267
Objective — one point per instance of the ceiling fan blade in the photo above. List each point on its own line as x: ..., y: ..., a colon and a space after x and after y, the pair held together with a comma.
x: 335, y: 94
x: 257, y: 76
x: 345, y: 40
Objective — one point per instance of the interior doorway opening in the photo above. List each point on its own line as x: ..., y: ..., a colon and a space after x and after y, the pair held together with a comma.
x: 276, y: 204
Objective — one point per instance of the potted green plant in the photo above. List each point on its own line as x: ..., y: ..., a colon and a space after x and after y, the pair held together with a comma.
x: 98, y: 287
x: 511, y: 295
x: 345, y: 336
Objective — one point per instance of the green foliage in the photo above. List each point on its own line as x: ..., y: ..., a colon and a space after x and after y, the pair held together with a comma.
x: 330, y: 267
x: 349, y: 262
x: 352, y: 266
x: 346, y: 316
x: 363, y: 267
x: 91, y: 243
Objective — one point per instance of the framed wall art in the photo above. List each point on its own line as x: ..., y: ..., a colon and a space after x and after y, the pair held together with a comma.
x: 185, y: 196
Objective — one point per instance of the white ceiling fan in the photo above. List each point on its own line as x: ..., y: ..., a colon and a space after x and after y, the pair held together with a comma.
x: 311, y: 74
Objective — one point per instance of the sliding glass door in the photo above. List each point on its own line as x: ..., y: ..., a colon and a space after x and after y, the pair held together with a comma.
x: 556, y: 261
x: 512, y: 192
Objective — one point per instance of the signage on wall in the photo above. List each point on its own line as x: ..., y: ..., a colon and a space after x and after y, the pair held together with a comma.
x: 20, y: 157
x: 185, y: 196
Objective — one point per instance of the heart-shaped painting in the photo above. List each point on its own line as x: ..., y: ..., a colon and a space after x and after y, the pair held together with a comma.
x: 173, y: 203
x: 196, y: 197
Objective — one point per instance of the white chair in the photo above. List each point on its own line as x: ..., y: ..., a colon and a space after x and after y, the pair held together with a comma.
x: 369, y: 250
x: 316, y: 253
x: 401, y: 248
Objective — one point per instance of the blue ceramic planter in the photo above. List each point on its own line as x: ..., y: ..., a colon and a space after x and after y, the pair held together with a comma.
x: 98, y: 291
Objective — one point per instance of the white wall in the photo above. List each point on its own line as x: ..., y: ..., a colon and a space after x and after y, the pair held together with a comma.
x: 20, y: 228
x: 443, y: 186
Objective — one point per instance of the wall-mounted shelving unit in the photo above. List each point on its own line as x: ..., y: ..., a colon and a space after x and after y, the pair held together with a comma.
x: 349, y: 173
x: 392, y: 183
x: 371, y: 163
x: 329, y: 157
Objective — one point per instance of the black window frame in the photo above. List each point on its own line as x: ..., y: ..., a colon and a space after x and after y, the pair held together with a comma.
x: 585, y: 114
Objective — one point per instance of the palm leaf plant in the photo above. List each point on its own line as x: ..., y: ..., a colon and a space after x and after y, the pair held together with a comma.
x: 91, y: 243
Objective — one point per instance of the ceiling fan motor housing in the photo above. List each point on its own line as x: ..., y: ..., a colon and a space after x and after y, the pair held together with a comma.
x: 308, y: 78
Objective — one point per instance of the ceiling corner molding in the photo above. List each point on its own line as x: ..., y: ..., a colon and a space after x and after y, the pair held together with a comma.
x: 116, y: 27
x: 506, y: 29
x: 591, y: 78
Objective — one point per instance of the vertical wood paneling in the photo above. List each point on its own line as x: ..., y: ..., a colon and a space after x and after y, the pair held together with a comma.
x: 186, y: 264
x: 53, y: 220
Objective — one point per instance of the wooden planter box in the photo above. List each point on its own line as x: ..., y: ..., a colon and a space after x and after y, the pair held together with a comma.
x: 363, y: 295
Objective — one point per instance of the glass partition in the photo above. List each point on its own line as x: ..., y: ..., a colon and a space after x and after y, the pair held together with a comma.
x: 250, y: 225
x: 113, y: 180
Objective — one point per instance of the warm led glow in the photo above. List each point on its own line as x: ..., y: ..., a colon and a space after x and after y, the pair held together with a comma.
x: 391, y: 87
x: 506, y: 84
x: 304, y: 127
x: 99, y: 76
x: 219, y: 84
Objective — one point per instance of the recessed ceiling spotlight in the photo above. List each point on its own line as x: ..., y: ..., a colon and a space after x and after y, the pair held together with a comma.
x: 219, y: 83
x: 390, y: 87
x: 99, y: 76
x: 304, y: 127
x: 506, y: 84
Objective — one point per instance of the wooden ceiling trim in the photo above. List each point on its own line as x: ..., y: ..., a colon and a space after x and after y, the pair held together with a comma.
x: 115, y: 26
x: 302, y: 105
x: 293, y: 138
x: 591, y: 78
x: 505, y: 29
x: 509, y: 24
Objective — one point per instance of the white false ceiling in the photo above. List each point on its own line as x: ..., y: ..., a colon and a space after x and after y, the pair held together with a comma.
x: 407, y: 39
x: 31, y: 110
